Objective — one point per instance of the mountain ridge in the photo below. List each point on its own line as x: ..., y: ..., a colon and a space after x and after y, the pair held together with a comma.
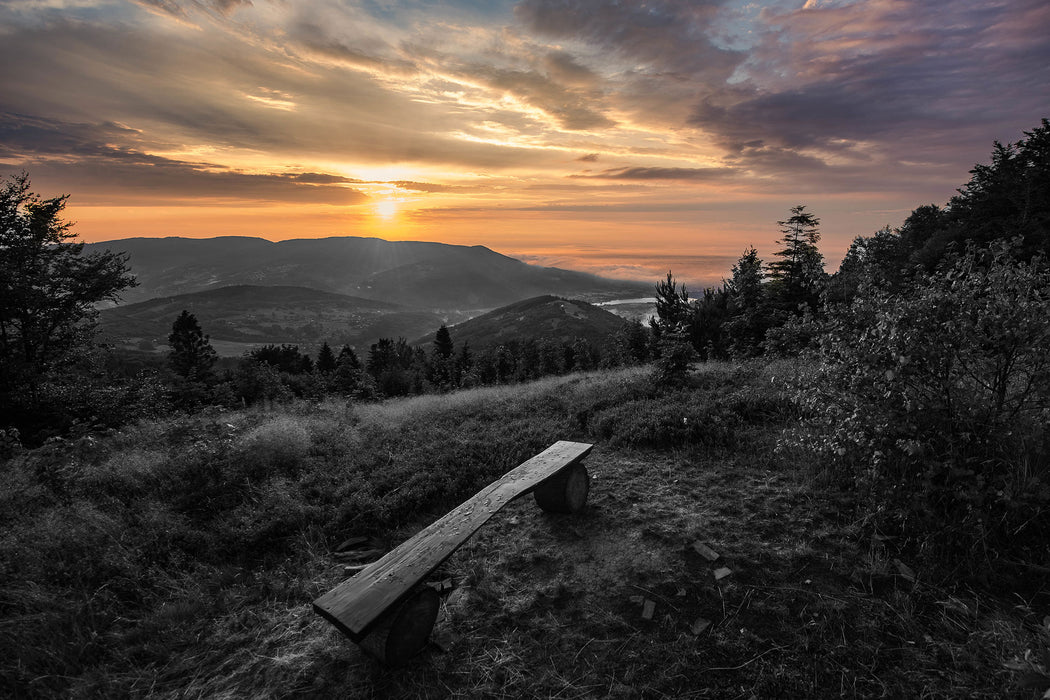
x: 545, y: 317
x: 237, y: 317
x: 422, y: 274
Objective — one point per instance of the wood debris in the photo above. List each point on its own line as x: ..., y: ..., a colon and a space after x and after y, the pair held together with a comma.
x: 722, y: 573
x: 648, y: 608
x: 442, y: 586
x: 705, y: 551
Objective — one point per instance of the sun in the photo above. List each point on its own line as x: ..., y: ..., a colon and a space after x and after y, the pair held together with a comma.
x: 386, y: 209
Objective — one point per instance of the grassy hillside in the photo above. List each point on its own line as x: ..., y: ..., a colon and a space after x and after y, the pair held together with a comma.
x: 247, y: 314
x: 179, y: 558
x: 546, y: 317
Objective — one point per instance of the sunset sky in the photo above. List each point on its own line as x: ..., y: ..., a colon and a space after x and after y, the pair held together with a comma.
x: 617, y: 137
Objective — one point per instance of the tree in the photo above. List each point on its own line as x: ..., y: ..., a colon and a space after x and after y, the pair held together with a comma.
x: 672, y: 306
x: 285, y: 358
x: 48, y: 288
x: 1010, y: 197
x: 749, y: 311
x: 745, y: 289
x: 443, y: 343
x: 191, y: 355
x: 348, y: 371
x: 798, y: 276
x: 878, y: 260
x: 931, y: 403
x: 707, y: 326
x: 326, y: 361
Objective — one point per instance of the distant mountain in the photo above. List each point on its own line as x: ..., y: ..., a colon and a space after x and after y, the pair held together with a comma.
x: 543, y: 317
x: 421, y: 275
x: 237, y: 317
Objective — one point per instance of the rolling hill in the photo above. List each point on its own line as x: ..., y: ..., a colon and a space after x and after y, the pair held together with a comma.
x: 416, y: 274
x: 237, y: 317
x: 544, y: 317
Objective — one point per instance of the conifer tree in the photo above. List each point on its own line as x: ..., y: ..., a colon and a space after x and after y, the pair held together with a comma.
x: 326, y: 361
x: 348, y: 371
x: 191, y: 355
x: 443, y: 342
x: 672, y: 306
x: 745, y: 288
x: 799, y: 274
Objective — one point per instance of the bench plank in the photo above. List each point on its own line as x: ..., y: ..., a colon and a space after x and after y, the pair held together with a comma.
x: 355, y: 604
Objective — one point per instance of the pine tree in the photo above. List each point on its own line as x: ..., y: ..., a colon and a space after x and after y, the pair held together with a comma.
x: 745, y: 289
x: 443, y: 342
x: 191, y: 355
x: 672, y: 306
x: 348, y: 371
x: 326, y: 361
x: 348, y: 357
x: 799, y: 274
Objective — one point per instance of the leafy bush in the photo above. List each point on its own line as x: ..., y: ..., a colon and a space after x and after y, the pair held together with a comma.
x: 279, y: 444
x: 934, y: 404
x: 676, y: 354
x: 711, y: 409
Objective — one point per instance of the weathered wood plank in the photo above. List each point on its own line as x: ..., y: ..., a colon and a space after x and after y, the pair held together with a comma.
x: 354, y: 605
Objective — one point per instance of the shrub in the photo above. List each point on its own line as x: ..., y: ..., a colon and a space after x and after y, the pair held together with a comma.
x: 934, y: 403
x: 279, y: 444
x: 676, y: 355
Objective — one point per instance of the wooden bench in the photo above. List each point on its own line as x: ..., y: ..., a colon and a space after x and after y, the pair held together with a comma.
x: 386, y: 611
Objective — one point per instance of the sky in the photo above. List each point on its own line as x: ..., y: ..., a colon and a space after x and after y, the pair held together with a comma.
x: 621, y: 137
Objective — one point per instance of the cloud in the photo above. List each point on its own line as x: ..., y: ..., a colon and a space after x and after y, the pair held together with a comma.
x: 79, y: 156
x: 659, y: 36
x: 213, y: 92
x: 660, y: 173
x: 574, y: 109
x: 588, y: 158
x: 179, y: 10
x: 900, y: 78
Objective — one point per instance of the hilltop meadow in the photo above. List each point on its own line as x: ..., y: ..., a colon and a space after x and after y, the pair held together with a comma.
x: 178, y: 557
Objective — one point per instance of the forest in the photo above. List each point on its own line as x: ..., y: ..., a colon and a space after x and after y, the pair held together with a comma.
x: 900, y: 405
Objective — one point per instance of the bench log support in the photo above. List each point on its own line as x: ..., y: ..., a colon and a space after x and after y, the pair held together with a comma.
x: 385, y: 611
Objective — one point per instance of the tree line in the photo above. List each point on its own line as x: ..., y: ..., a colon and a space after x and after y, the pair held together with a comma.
x: 770, y: 308
x: 390, y: 367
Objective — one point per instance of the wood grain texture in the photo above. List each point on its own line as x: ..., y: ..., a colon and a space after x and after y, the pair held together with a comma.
x: 354, y: 605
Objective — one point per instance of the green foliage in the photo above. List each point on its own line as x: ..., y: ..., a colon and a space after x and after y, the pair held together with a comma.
x: 284, y: 358
x: 443, y: 342
x: 256, y: 382
x: 934, y: 404
x: 708, y: 324
x: 280, y: 444
x: 686, y: 417
x: 191, y: 355
x: 676, y: 355
x: 1006, y: 198
x: 48, y: 293
x: 1009, y: 197
x: 798, y: 277
x: 673, y: 309
x: 326, y: 360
